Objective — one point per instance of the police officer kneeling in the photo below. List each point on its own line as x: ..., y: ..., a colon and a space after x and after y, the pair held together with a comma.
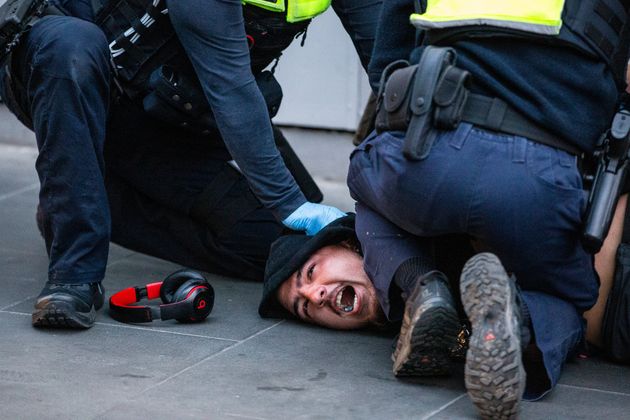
x: 481, y: 134
x: 59, y: 81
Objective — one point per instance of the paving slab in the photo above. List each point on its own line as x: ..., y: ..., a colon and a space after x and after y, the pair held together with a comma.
x: 22, y: 276
x: 293, y: 371
x: 69, y: 374
x: 596, y: 373
x: 12, y: 131
x: 19, y: 162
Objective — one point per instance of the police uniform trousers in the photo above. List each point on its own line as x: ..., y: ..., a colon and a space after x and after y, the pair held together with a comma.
x: 139, y: 189
x: 521, y: 200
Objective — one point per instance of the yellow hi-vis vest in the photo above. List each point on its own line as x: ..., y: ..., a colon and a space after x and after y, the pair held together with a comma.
x: 543, y: 17
x: 297, y: 10
x: 599, y: 28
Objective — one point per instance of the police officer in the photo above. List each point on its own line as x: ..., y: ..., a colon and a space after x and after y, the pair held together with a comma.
x: 507, y: 96
x: 59, y: 82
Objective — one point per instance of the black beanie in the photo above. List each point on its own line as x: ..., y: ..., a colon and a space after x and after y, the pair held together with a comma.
x: 289, y: 252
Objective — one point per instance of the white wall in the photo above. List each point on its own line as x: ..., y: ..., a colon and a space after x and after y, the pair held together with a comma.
x: 323, y: 82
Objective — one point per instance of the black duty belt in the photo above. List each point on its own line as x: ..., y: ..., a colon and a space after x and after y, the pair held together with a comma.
x: 494, y: 114
x: 434, y: 95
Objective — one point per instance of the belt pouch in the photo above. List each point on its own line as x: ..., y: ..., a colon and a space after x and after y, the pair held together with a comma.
x: 396, y: 91
x: 450, y: 97
x: 420, y: 133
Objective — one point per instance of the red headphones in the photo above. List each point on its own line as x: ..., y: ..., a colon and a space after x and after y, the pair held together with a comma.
x: 186, y: 295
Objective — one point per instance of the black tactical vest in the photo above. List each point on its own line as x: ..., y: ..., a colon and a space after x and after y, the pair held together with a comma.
x: 142, y: 38
x: 598, y: 28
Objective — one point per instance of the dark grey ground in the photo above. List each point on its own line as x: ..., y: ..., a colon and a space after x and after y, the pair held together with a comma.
x: 233, y: 366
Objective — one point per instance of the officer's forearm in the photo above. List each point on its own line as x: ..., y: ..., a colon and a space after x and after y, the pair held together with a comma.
x: 213, y: 35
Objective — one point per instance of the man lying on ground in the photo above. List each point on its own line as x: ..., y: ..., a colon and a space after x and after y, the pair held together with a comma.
x: 321, y: 280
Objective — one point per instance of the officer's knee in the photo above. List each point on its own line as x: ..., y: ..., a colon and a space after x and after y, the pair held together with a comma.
x: 73, y: 49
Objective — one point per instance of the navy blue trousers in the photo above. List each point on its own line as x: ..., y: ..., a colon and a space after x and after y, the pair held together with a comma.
x: 154, y: 172
x: 519, y: 199
x: 60, y: 87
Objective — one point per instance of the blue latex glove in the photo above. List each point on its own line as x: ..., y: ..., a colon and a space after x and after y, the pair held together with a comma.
x: 312, y: 217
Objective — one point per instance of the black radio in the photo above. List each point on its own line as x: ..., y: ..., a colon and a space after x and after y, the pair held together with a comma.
x: 15, y: 17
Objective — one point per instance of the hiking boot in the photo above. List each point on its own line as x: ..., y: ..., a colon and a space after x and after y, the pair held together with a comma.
x: 494, y: 374
x: 68, y: 305
x: 429, y: 329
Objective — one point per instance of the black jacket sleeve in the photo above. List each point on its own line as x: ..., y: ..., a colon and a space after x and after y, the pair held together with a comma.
x: 395, y: 37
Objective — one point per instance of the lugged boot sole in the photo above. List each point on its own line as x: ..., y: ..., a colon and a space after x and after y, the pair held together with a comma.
x: 494, y: 374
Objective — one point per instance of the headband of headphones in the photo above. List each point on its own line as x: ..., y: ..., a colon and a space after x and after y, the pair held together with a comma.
x: 186, y: 295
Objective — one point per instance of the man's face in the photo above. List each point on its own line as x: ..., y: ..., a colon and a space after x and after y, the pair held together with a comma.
x: 331, y: 289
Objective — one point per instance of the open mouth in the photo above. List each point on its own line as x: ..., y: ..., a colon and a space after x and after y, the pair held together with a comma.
x: 346, y: 299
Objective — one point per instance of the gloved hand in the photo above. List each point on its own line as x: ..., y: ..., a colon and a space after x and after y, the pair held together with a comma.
x: 312, y: 217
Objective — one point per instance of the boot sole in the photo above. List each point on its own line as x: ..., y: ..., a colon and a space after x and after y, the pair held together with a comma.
x: 61, y: 315
x: 494, y: 374
x: 424, y: 349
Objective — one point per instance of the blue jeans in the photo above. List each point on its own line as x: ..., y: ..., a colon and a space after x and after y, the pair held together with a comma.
x: 519, y: 199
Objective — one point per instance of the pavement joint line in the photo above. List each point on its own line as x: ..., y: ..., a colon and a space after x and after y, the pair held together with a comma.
x: 132, y: 327
x: 20, y: 251
x: 19, y: 191
x: 242, y: 416
x: 212, y: 356
x: 16, y: 303
x: 194, y: 365
x: 2, y: 310
x: 14, y: 313
x: 442, y: 408
x: 585, y: 388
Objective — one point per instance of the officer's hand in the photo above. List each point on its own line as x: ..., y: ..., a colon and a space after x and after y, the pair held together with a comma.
x: 312, y: 217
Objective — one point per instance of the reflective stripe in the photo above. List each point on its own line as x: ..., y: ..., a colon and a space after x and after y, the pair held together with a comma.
x: 534, y: 16
x: 297, y: 10
x: 305, y: 9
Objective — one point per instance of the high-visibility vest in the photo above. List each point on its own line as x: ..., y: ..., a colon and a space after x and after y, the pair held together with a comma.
x: 598, y: 28
x: 297, y: 10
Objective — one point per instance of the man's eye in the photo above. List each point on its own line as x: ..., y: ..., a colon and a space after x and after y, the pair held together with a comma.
x: 309, y: 273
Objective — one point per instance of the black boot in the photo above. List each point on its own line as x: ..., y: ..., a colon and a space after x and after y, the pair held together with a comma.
x: 429, y: 329
x: 494, y: 374
x: 68, y: 305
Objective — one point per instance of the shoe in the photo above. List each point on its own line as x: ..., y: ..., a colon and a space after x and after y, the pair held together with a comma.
x: 494, y: 374
x: 68, y: 305
x: 429, y: 329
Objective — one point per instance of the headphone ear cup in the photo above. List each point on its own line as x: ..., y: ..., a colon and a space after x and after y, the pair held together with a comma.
x: 202, y: 296
x: 183, y: 290
x: 174, y: 281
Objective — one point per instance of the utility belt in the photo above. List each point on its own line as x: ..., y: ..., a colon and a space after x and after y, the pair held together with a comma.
x: 175, y: 96
x: 435, y: 94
